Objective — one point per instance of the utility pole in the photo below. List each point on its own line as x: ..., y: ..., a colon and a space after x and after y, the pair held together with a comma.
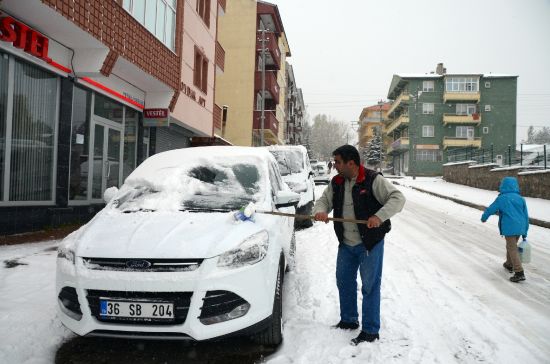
x: 262, y: 104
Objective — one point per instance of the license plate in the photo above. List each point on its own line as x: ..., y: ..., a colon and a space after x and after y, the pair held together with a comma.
x: 143, y: 310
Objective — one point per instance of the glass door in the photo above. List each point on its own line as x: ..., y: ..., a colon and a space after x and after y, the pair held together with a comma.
x: 106, y: 160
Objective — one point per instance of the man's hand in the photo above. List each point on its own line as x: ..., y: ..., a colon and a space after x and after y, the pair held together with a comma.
x: 373, y: 222
x: 321, y: 216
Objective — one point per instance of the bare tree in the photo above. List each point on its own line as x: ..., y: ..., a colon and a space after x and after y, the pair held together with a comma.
x: 327, y: 134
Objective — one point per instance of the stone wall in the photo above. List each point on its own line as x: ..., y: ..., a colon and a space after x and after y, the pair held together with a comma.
x: 531, y: 183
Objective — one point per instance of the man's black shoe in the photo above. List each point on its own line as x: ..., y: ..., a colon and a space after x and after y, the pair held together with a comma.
x: 518, y: 277
x: 346, y: 325
x: 364, y: 337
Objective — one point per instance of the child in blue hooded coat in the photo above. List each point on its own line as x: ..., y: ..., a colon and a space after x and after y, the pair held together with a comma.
x: 513, y: 221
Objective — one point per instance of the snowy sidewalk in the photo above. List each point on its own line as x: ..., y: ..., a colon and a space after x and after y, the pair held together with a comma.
x: 539, y: 208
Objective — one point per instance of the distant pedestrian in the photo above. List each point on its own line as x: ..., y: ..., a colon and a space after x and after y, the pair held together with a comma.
x: 329, y: 166
x: 363, y: 194
x: 513, y: 221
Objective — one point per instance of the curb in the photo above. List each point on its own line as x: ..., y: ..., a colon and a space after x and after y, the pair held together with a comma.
x: 532, y: 221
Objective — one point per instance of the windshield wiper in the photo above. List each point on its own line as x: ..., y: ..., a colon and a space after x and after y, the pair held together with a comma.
x: 137, y: 210
x: 196, y: 209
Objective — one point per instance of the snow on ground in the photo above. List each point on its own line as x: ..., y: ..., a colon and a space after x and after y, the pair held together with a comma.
x: 538, y: 208
x: 445, y: 296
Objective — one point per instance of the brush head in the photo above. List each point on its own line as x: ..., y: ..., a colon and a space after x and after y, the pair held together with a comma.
x: 245, y: 213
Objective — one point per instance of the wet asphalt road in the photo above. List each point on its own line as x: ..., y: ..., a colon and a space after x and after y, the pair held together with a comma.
x: 121, y: 351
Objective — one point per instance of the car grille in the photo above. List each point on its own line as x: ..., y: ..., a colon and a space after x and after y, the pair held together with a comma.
x: 181, y: 301
x: 220, y: 302
x: 143, y: 265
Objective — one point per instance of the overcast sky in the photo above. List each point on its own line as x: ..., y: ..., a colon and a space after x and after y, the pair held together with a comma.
x: 345, y: 52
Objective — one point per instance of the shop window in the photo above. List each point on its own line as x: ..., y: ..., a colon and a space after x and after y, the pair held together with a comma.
x: 80, y: 137
x: 131, y: 119
x: 107, y: 108
x: 200, y: 76
x: 33, y: 134
x: 203, y: 8
x: 4, y: 64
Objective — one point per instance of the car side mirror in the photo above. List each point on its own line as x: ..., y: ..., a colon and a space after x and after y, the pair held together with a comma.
x: 286, y: 199
x: 109, y: 194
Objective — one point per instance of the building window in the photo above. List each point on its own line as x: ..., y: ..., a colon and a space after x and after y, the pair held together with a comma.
x: 158, y: 16
x: 428, y: 86
x: 427, y: 131
x: 200, y: 72
x: 485, y: 130
x: 80, y: 138
x: 466, y: 132
x: 428, y: 155
x: 29, y: 132
x: 462, y: 84
x: 465, y: 109
x: 203, y: 8
x: 427, y: 108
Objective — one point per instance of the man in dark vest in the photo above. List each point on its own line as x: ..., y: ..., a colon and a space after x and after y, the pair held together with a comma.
x: 362, y: 194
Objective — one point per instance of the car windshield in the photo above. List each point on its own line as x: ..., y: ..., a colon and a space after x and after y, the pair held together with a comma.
x: 215, y: 187
x: 290, y: 161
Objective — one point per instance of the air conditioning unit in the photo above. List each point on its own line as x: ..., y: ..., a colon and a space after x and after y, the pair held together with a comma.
x: 499, y: 160
x: 487, y: 107
x: 487, y: 84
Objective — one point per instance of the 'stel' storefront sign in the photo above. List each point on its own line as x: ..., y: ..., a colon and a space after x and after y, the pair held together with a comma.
x: 23, y: 37
x: 156, y: 117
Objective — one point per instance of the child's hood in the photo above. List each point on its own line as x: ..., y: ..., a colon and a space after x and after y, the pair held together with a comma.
x: 508, y: 185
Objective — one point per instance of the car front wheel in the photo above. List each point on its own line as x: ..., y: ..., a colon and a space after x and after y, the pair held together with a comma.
x: 273, y: 334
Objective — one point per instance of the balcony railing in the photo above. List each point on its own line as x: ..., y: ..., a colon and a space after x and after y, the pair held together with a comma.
x: 270, y: 123
x: 399, y: 146
x: 220, y: 56
x: 461, y: 96
x: 461, y: 119
x: 271, y: 85
x: 449, y: 142
x: 273, y: 54
x: 402, y: 99
x: 397, y: 123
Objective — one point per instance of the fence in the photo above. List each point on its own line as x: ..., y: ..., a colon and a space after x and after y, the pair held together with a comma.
x: 534, y: 155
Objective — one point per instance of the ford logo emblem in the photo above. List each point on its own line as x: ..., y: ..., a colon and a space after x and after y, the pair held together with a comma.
x: 138, y: 264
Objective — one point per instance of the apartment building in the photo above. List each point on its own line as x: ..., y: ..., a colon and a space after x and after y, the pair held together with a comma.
x: 90, y: 88
x: 251, y: 32
x: 436, y: 117
x: 295, y: 109
x: 371, y: 123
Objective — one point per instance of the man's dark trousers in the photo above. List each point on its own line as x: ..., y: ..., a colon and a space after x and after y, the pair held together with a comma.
x: 351, y: 259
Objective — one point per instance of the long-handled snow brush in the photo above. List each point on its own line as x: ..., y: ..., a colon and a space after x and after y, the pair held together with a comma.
x: 247, y: 213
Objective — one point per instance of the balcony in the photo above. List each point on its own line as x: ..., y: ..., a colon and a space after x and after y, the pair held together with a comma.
x: 399, y: 146
x: 220, y: 56
x: 461, y: 119
x: 451, y: 142
x: 271, y: 125
x: 399, y: 102
x: 398, y: 123
x: 273, y: 54
x: 461, y: 96
x: 271, y: 85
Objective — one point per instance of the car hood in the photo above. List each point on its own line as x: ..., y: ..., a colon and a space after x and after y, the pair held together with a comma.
x: 161, y: 235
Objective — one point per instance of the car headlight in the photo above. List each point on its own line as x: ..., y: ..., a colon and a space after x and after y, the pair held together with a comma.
x: 297, y: 187
x: 66, y: 253
x: 252, y: 250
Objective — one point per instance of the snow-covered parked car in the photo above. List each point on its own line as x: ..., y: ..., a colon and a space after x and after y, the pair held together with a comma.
x: 296, y: 170
x: 166, y: 257
x: 321, y: 173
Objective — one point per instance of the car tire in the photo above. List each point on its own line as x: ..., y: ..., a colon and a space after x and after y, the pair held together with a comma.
x: 273, y: 334
x: 291, y: 265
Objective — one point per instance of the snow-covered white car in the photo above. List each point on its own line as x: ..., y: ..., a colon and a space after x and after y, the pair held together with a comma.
x: 167, y: 259
x: 321, y: 173
x: 296, y: 170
